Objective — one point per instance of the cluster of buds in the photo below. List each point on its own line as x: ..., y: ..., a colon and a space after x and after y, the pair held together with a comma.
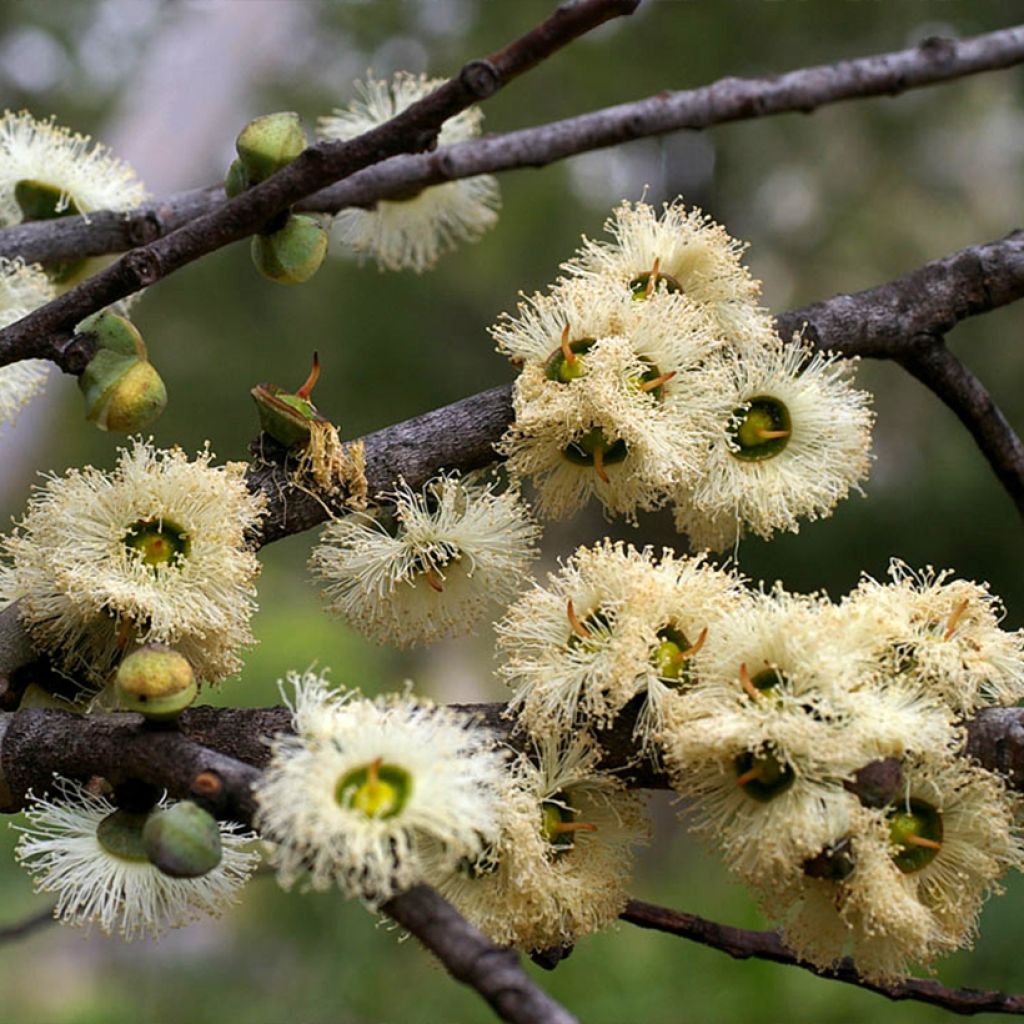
x: 649, y: 375
x: 291, y: 248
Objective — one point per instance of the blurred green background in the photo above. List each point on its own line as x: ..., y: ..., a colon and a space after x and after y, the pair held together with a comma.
x: 846, y: 198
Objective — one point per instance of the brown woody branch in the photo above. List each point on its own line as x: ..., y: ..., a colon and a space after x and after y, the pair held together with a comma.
x: 730, y: 99
x: 47, y: 332
x: 943, y: 373
x: 742, y: 945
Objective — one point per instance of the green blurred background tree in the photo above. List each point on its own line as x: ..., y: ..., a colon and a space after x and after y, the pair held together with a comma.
x: 849, y: 197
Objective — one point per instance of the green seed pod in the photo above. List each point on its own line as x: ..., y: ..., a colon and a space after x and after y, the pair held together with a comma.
x: 236, y: 181
x: 155, y: 681
x: 182, y: 840
x: 293, y: 253
x: 268, y: 143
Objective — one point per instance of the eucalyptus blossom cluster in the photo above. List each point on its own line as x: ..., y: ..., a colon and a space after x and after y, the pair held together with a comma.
x: 817, y: 745
x: 649, y: 375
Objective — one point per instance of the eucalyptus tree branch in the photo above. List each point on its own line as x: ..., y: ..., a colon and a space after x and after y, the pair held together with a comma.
x: 943, y: 373
x: 46, y: 332
x: 742, y: 945
x: 729, y: 99
x: 27, y: 925
x: 884, y: 322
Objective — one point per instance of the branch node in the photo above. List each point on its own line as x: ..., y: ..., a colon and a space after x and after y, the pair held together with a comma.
x: 480, y: 78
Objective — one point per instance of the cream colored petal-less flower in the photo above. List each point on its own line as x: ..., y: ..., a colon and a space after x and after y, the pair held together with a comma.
x: 23, y: 288
x: 95, y: 884
x: 154, y: 551
x: 412, y: 232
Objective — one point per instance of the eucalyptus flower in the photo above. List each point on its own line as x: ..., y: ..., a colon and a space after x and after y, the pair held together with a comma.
x: 23, y: 288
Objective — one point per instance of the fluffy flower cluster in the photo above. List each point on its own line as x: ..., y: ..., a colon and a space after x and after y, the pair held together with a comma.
x: 430, y: 568
x: 23, y: 288
x: 154, y: 551
x: 559, y: 867
x: 411, y: 232
x: 113, y: 884
x: 793, y: 697
x: 816, y: 744
x: 369, y: 794
x: 650, y: 376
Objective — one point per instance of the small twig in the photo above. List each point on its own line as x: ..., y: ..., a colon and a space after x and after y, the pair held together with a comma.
x: 730, y: 99
x: 47, y: 332
x: 742, y: 945
x: 943, y: 373
x: 470, y: 957
x: 27, y: 926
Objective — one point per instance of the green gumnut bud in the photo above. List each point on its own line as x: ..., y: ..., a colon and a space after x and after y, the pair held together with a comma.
x: 114, y: 332
x: 122, y: 393
x: 183, y: 841
x: 268, y: 143
x: 236, y: 181
x: 156, y: 681
x: 292, y: 254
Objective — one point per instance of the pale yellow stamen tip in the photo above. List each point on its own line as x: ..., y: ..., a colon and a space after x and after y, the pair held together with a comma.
x: 954, y: 619
x: 652, y: 281
x: 577, y: 627
x: 567, y: 353
x: 658, y: 381
x: 747, y: 683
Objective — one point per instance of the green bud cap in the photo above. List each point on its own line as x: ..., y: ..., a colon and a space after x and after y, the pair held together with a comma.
x: 292, y: 254
x: 122, y: 394
x: 120, y: 834
x: 183, y: 841
x: 286, y: 415
x: 236, y: 181
x: 114, y: 333
x: 155, y: 681
x: 268, y: 143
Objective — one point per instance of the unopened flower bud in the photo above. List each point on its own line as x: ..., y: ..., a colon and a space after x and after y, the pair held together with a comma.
x: 182, y: 840
x: 293, y: 253
x: 156, y: 681
x: 236, y: 181
x: 268, y: 143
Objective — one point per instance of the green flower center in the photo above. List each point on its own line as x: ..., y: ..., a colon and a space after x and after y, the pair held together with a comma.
x: 762, y: 775
x: 158, y: 542
x: 641, y: 285
x: 671, y: 656
x: 562, y: 369
x: 120, y: 834
x: 768, y: 679
x: 587, y: 630
x: 917, y: 834
x: 592, y: 448
x: 558, y: 825
x: 376, y: 790
x: 763, y: 430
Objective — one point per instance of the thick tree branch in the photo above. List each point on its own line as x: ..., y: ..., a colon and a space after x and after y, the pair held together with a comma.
x: 942, y: 372
x: 46, y: 332
x: 742, y: 945
x: 730, y: 99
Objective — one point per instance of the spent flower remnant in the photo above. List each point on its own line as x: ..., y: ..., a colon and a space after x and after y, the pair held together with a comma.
x: 23, y: 288
x: 153, y: 552
x: 613, y: 624
x: 560, y: 866
x: 433, y: 566
x: 367, y: 788
x: 411, y: 232
x: 93, y: 855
